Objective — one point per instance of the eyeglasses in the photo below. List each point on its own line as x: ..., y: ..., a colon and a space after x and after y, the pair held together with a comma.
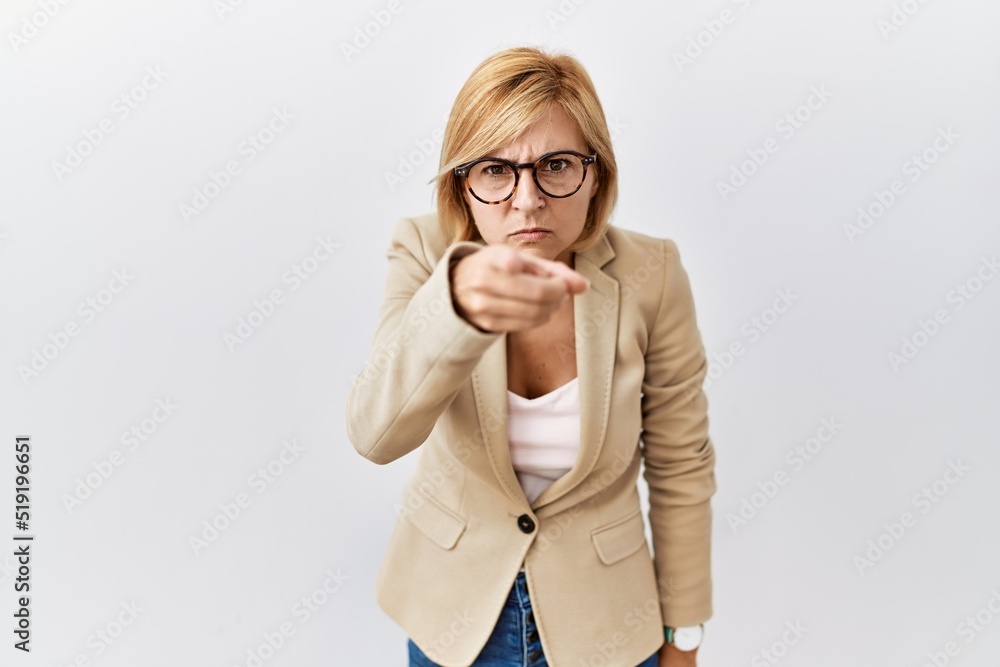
x: 494, y: 180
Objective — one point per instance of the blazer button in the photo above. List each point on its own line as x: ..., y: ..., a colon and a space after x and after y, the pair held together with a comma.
x: 525, y: 523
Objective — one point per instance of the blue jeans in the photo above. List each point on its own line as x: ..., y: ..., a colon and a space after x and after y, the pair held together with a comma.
x: 514, y: 641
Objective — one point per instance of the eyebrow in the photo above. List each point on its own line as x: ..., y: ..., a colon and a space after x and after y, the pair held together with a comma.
x: 555, y: 150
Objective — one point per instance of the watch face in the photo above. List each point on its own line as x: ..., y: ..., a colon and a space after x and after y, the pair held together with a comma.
x: 687, y: 638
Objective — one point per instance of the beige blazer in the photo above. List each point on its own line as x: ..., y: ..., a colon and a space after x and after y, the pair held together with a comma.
x: 465, y: 527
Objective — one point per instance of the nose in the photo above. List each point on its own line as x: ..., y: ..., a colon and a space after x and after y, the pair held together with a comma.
x: 527, y: 195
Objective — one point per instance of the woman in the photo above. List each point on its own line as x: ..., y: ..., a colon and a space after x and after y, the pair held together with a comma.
x: 526, y: 346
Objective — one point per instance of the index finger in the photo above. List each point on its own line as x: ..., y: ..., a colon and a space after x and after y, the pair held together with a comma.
x: 550, y: 268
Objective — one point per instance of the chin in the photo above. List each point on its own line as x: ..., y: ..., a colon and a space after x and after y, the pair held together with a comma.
x: 531, y: 250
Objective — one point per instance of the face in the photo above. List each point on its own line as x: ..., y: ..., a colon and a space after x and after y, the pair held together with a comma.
x: 562, y: 218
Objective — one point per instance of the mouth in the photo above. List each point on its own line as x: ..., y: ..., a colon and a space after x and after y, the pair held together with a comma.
x: 531, y: 233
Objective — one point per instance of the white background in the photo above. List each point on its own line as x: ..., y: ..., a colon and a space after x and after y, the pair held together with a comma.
x: 680, y: 129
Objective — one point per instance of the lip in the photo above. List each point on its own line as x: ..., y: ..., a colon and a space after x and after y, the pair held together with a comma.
x: 531, y: 232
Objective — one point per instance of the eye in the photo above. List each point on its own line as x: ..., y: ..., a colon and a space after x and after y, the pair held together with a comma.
x: 493, y: 170
x: 556, y: 164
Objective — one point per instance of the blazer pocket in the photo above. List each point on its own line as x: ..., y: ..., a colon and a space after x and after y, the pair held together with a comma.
x: 438, y: 523
x: 620, y: 538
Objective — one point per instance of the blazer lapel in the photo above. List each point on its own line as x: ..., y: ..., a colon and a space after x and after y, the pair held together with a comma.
x: 595, y: 319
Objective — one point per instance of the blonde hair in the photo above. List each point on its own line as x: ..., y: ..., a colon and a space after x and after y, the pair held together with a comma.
x: 503, y: 97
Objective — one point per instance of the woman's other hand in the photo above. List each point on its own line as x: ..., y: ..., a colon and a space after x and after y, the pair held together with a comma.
x: 499, y: 288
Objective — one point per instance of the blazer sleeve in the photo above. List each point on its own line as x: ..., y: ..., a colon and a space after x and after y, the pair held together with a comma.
x: 421, y: 354
x: 678, y: 455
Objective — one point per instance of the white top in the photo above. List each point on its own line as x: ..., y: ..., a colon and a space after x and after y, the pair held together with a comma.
x: 544, y: 436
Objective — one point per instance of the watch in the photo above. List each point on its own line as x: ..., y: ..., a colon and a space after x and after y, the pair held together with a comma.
x: 685, y: 638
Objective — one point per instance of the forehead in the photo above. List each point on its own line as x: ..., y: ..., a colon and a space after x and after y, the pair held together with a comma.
x: 555, y: 130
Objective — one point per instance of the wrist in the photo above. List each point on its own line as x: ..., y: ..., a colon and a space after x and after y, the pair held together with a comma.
x: 457, y: 307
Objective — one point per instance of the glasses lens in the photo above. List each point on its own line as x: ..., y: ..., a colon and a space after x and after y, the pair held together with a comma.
x: 560, y: 174
x: 491, y: 180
